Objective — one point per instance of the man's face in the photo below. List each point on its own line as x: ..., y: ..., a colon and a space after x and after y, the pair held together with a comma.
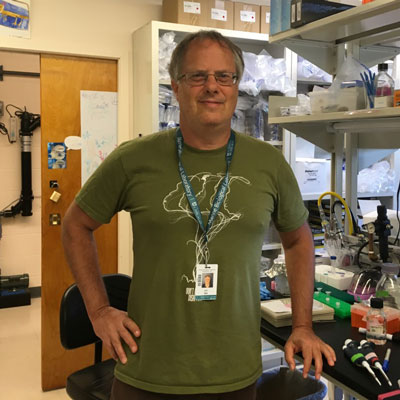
x: 207, y: 281
x: 209, y: 105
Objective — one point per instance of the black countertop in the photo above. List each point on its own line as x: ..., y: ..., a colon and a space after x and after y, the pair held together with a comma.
x: 356, y: 379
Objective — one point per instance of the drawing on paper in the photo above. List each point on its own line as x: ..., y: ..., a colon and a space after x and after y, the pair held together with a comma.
x: 98, y: 128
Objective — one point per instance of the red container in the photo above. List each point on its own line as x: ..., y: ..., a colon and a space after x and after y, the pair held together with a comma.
x: 359, y: 312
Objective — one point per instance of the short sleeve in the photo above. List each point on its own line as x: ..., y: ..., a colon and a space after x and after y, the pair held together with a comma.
x: 290, y: 212
x: 102, y: 194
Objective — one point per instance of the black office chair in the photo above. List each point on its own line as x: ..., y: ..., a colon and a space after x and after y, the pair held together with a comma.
x: 93, y: 382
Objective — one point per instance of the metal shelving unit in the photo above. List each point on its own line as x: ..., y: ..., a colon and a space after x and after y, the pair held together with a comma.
x: 373, y: 26
x: 377, y: 128
x: 371, y: 32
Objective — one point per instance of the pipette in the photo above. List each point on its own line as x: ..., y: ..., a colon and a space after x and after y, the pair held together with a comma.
x: 352, y: 352
x: 385, y: 365
x: 367, y: 349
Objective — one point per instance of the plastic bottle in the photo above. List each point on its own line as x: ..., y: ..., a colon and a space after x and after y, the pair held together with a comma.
x: 334, y: 263
x: 388, y: 287
x: 376, y: 322
x: 384, y: 87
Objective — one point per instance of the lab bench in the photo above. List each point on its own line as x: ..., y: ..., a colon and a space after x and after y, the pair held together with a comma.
x: 353, y: 380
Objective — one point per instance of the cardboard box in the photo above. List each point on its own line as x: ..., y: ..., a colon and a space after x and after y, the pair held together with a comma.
x: 246, y: 17
x: 220, y: 14
x: 185, y: 12
x: 265, y: 18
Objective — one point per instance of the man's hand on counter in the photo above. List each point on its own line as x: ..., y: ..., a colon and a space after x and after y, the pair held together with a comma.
x: 312, y: 347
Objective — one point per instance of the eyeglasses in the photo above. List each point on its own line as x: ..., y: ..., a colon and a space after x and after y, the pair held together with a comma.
x: 199, y: 78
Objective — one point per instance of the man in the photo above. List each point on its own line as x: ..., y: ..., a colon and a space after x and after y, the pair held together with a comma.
x: 200, y: 199
x: 207, y: 281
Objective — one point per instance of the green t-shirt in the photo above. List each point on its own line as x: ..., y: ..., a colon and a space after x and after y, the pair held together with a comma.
x: 189, y: 346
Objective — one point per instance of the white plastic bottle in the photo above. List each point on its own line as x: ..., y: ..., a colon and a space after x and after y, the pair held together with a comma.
x: 384, y: 87
x: 376, y: 322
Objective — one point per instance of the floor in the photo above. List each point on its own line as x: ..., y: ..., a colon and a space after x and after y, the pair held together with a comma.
x: 20, y: 371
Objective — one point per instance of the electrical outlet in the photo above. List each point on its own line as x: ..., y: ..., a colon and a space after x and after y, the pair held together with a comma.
x: 1, y: 108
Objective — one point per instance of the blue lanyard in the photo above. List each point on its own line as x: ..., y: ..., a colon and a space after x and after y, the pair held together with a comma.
x: 187, y: 186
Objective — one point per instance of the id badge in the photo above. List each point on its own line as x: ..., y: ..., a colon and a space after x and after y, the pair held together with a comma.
x: 206, y: 282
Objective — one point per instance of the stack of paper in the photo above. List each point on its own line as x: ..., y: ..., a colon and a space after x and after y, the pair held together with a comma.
x: 278, y: 312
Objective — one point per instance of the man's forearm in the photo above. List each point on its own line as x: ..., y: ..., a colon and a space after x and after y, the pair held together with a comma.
x: 81, y: 254
x: 299, y: 257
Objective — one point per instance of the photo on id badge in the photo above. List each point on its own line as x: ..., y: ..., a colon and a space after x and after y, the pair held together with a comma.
x: 207, y: 281
x: 206, y: 286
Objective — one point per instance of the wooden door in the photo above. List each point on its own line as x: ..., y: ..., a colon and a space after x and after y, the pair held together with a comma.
x: 62, y: 79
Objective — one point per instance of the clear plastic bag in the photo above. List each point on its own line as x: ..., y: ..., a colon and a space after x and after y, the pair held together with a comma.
x: 343, y: 93
x: 307, y: 70
x: 166, y: 46
x: 168, y: 109
x: 251, y: 116
x: 263, y: 72
x: 377, y: 179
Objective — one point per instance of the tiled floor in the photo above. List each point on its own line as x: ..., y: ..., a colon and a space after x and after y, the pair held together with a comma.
x: 20, y: 371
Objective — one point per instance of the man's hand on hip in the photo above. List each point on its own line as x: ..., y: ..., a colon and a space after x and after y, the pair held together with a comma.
x: 111, y: 325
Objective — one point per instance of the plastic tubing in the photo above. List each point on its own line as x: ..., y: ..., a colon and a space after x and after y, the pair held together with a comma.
x: 346, y: 208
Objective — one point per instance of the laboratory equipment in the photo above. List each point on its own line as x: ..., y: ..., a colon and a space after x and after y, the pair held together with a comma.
x: 363, y: 284
x: 382, y: 230
x: 384, y: 87
x: 367, y: 349
x: 388, y: 287
x: 376, y: 322
x: 386, y: 360
x: 395, y: 337
x: 278, y: 271
x: 352, y: 352
x: 342, y: 309
x: 29, y: 122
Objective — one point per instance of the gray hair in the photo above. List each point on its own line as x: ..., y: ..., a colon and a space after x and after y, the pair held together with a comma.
x: 175, y: 66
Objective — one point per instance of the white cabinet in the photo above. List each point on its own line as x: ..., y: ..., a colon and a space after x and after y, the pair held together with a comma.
x: 371, y: 32
x: 146, y: 65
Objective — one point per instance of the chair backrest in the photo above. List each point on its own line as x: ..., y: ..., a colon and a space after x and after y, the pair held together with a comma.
x: 75, y: 327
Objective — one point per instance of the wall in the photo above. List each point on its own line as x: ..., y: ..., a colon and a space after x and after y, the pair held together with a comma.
x: 94, y: 28
x: 21, y: 242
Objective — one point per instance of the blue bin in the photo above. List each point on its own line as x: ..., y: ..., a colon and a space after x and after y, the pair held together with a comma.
x: 283, y: 384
